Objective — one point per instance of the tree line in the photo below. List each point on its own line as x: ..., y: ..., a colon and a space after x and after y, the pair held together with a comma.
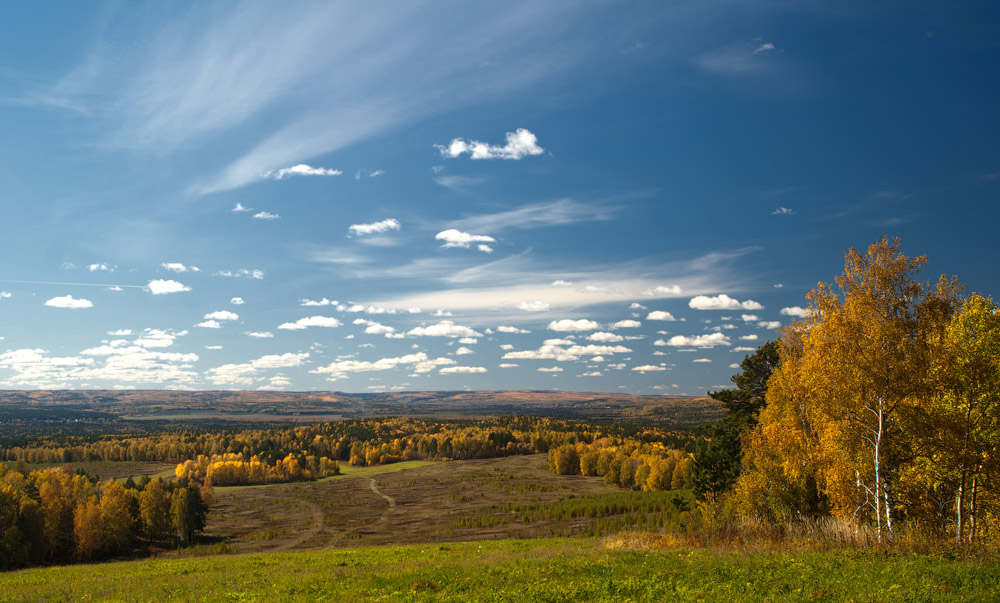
x: 880, y: 406
x: 56, y: 516
x: 625, y: 464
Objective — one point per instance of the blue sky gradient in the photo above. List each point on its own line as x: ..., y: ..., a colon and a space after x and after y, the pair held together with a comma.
x: 600, y: 196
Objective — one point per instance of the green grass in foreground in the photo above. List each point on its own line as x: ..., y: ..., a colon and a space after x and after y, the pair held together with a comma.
x: 533, y: 570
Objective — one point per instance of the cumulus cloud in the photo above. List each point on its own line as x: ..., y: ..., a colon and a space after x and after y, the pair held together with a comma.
x: 626, y: 324
x: 508, y: 329
x: 769, y: 324
x: 445, y: 328
x: 68, y: 301
x: 237, y: 301
x: 120, y: 332
x: 117, y: 364
x: 260, y: 334
x: 660, y: 315
x: 533, y: 306
x: 179, y: 267
x: 748, y: 337
x: 209, y: 324
x: 796, y: 311
x: 698, y: 341
x: 242, y: 272
x: 162, y: 287
x: 722, y: 302
x: 520, y: 144
x: 238, y: 208
x: 320, y: 302
x: 5, y: 294
x: 782, y: 211
x: 310, y: 321
x: 263, y: 215
x: 605, y: 337
x: 743, y: 349
x: 567, y: 324
x: 648, y: 368
x: 592, y: 374
x: 565, y: 351
x: 158, y: 338
x: 359, y: 230
x: 101, y: 267
x: 420, y: 362
x: 749, y: 317
x: 246, y: 373
x: 636, y: 306
x: 561, y: 283
x: 374, y: 328
x: 701, y: 360
x: 301, y: 170
x: 457, y: 238
x: 463, y: 351
x: 451, y: 370
x: 551, y: 369
x: 222, y: 315
x: 509, y: 365
x: 665, y: 290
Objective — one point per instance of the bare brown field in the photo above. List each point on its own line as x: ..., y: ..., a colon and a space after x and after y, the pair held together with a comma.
x: 110, y: 469
x: 404, y: 503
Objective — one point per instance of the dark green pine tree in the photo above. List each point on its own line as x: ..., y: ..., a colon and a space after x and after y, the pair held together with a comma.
x: 720, y: 450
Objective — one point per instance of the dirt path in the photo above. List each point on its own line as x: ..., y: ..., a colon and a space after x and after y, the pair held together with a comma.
x: 388, y: 499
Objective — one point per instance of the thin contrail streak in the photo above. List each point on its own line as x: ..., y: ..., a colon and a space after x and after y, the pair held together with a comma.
x: 73, y: 284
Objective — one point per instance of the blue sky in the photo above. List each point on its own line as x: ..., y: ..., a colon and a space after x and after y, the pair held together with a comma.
x: 599, y: 196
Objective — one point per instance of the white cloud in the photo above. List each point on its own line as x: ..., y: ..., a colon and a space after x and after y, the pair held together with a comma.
x: 451, y: 370
x: 779, y: 286
x: 565, y: 351
x: 698, y: 341
x: 179, y: 267
x: 533, y: 306
x: 242, y: 272
x: 117, y: 364
x: 665, y: 291
x: 68, y: 301
x: 552, y: 369
x: 468, y: 340
x: 462, y: 351
x: 213, y: 347
x: 796, y: 311
x: 508, y: 329
x: 162, y: 287
x: 457, y: 238
x: 765, y: 47
x: 701, y: 360
x: 509, y: 365
x: 484, y: 248
x: 209, y: 324
x: 660, y: 315
x: 743, y: 349
x: 5, y: 294
x: 626, y: 324
x: 648, y: 368
x: 592, y: 374
x: 238, y: 208
x: 734, y: 366
x: 722, y: 302
x: 260, y: 334
x: 769, y: 324
x: 537, y: 215
x: 342, y: 368
x: 507, y: 347
x: 605, y: 337
x: 359, y: 230
x: 567, y: 324
x: 321, y: 302
x: 636, y: 306
x: 263, y: 215
x: 310, y: 321
x: 120, y: 332
x: 561, y: 283
x: 222, y: 315
x: 237, y: 301
x: 374, y: 328
x: 782, y: 211
x: 748, y: 338
x: 158, y: 338
x: 246, y: 373
x: 749, y: 317
x: 102, y: 267
x: 520, y: 143
x: 301, y: 170
x: 445, y: 328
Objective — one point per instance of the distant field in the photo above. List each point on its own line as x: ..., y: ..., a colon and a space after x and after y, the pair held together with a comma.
x: 403, y: 503
x: 109, y: 469
x: 583, y: 569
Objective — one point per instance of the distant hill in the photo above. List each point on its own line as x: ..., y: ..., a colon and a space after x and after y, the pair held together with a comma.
x: 323, y: 406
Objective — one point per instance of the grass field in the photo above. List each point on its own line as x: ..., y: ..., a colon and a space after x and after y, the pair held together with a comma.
x: 582, y: 569
x: 426, y: 502
x: 109, y: 469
